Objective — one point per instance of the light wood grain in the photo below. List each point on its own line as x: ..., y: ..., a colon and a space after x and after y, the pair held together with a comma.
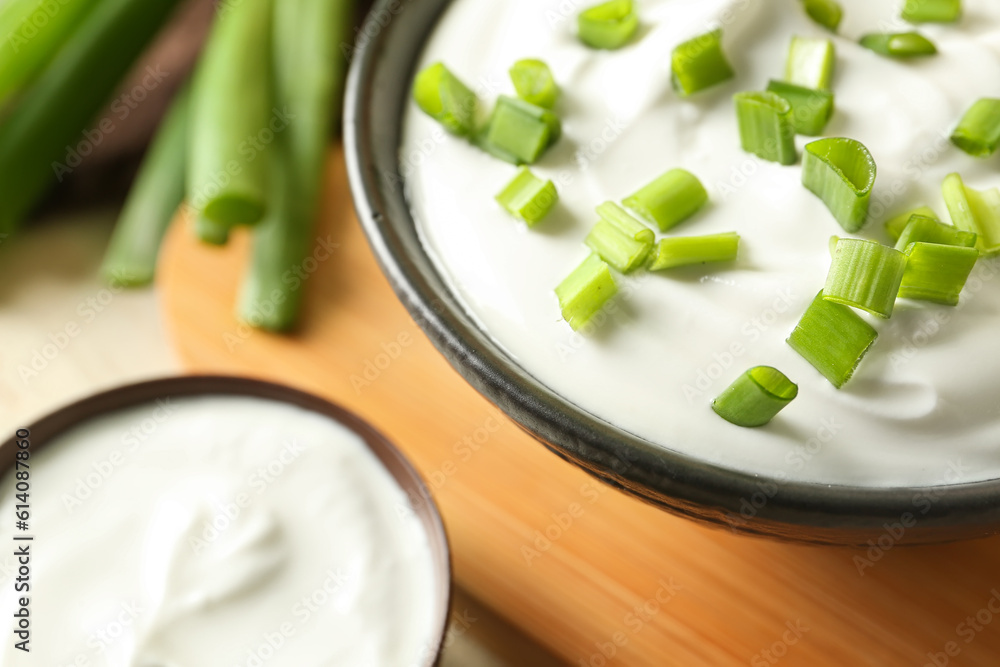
x: 598, y: 580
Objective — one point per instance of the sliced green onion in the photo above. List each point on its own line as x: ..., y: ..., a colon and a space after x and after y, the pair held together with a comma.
x: 932, y: 11
x: 841, y: 172
x: 766, y: 130
x: 670, y: 199
x: 534, y: 83
x: 522, y: 130
x: 528, y: 197
x: 811, y: 62
x: 152, y: 202
x: 811, y: 108
x: 832, y: 245
x: 688, y: 250
x: 618, y: 248
x: 481, y: 138
x: 833, y: 338
x: 937, y: 272
x: 866, y: 275
x: 442, y: 96
x: 895, y: 226
x: 209, y: 231
x: 974, y: 211
x: 232, y: 105
x: 700, y: 63
x: 756, y: 397
x: 65, y: 98
x: 978, y: 134
x: 609, y: 25
x: 585, y: 291
x: 309, y: 77
x: 827, y: 13
x: 921, y: 229
x: 899, y: 44
x: 614, y: 214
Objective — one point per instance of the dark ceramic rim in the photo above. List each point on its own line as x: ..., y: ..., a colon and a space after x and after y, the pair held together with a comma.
x: 377, y: 95
x: 70, y: 416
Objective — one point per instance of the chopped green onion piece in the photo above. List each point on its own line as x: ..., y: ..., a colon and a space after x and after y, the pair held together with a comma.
x: 921, y: 229
x: 832, y: 245
x: 833, y: 338
x: 585, y: 291
x: 978, y: 134
x: 811, y: 62
x: 670, y: 199
x: 895, y: 226
x: 756, y: 397
x: 482, y: 139
x: 528, y: 198
x: 700, y: 63
x: 522, y: 130
x: 932, y: 11
x: 609, y: 25
x: 827, y: 13
x: 534, y: 83
x: 937, y: 272
x: 811, y: 109
x: 841, y: 172
x: 974, y: 211
x: 614, y: 214
x: 899, y: 44
x: 688, y: 250
x: 442, y: 96
x: 866, y: 275
x: 617, y: 248
x: 765, y: 121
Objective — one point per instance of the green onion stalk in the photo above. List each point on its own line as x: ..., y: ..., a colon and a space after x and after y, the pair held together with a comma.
x: 234, y: 119
x: 66, y: 97
x: 309, y: 76
x: 32, y: 33
x: 152, y: 202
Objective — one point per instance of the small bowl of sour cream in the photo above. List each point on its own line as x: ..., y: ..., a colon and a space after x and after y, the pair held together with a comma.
x: 913, y: 437
x: 220, y: 521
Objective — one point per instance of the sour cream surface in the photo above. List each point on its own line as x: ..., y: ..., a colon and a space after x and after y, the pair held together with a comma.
x: 922, y: 409
x: 220, y: 531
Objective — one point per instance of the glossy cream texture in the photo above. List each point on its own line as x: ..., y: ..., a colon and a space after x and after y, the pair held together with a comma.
x: 922, y: 409
x: 220, y: 532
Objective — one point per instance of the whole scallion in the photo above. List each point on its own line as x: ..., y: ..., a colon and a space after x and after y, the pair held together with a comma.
x: 152, y: 202
x: 67, y: 96
x: 32, y: 34
x: 234, y: 119
x: 309, y: 79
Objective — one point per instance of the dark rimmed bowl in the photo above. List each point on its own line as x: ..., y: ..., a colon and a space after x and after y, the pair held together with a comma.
x: 59, y: 422
x: 377, y: 98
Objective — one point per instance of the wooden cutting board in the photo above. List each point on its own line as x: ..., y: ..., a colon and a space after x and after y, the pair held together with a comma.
x: 596, y: 576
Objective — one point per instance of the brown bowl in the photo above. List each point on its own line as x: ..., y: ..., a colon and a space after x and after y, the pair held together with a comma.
x: 44, y: 430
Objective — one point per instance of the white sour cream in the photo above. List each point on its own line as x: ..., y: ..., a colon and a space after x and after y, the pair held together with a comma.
x: 924, y: 406
x: 220, y: 532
